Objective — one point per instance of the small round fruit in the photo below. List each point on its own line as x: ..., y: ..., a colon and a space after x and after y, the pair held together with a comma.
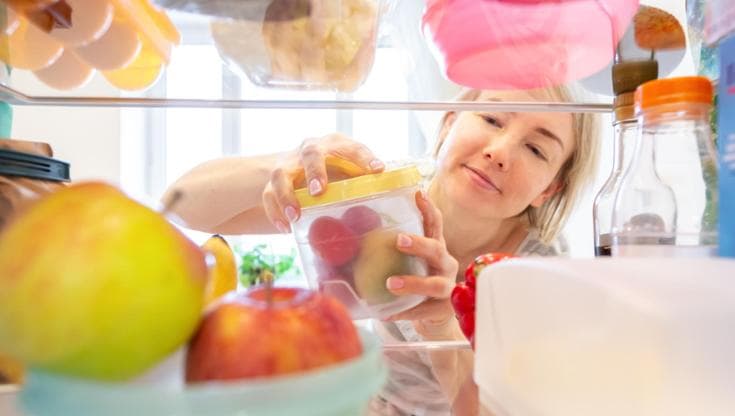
x: 467, y: 325
x: 479, y: 263
x: 463, y: 299
x: 378, y: 260
x: 332, y: 241
x: 361, y: 219
x: 248, y: 336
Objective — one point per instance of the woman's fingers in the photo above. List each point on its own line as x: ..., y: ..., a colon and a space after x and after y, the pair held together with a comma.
x: 438, y: 287
x: 313, y: 154
x: 356, y: 152
x: 274, y: 212
x: 281, y: 185
x: 432, y: 218
x: 315, y: 169
x: 432, y: 250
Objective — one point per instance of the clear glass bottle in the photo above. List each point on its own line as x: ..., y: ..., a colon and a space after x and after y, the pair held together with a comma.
x: 661, y: 206
x: 626, y: 77
x: 626, y: 128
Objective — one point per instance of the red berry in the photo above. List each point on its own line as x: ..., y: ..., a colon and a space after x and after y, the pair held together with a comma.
x: 479, y: 263
x: 325, y: 272
x: 469, y: 275
x: 361, y: 219
x: 463, y: 299
x: 332, y: 241
x: 467, y: 325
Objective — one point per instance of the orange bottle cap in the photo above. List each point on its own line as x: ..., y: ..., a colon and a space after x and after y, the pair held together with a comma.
x: 673, y: 91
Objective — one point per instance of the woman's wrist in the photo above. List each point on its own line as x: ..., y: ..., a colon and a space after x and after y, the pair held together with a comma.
x: 443, y: 329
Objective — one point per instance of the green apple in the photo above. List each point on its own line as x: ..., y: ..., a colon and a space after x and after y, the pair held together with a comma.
x: 96, y: 285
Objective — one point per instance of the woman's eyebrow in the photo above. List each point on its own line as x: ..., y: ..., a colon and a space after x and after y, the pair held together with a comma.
x: 544, y: 132
x: 540, y: 130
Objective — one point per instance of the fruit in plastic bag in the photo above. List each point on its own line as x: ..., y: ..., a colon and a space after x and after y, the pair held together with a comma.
x: 333, y: 44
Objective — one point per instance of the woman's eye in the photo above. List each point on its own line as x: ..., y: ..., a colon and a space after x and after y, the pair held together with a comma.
x: 492, y: 121
x: 536, y: 151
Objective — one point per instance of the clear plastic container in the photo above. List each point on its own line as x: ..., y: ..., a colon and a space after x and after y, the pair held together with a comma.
x: 347, y: 240
x: 324, y: 45
x: 611, y: 336
x: 667, y: 201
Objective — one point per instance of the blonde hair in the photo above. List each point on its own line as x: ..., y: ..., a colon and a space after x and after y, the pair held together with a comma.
x: 575, y: 174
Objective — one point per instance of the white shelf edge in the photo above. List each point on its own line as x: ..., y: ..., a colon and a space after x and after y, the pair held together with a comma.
x: 15, y: 97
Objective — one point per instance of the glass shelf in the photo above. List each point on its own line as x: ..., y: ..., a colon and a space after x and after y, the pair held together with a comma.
x: 17, y: 98
x: 403, y: 65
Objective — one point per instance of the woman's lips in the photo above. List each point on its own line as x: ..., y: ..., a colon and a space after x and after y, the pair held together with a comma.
x: 481, y: 179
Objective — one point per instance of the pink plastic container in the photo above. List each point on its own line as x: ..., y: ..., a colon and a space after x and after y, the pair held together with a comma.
x: 522, y: 44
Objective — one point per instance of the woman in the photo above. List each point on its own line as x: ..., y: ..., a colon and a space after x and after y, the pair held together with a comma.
x: 504, y: 182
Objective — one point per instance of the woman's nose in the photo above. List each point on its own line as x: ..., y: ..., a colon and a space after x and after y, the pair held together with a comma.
x: 497, y: 153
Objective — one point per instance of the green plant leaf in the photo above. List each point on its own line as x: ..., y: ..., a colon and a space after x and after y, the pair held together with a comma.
x: 259, y: 259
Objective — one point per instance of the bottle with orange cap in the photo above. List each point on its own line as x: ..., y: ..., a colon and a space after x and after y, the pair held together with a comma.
x: 660, y: 207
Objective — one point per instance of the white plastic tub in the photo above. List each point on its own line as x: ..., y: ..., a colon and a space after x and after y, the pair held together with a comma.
x: 607, y: 337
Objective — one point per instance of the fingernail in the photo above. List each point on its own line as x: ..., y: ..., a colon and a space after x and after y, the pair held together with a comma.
x: 394, y: 283
x: 376, y: 165
x: 290, y: 213
x: 315, y: 186
x: 281, y: 226
x: 404, y: 240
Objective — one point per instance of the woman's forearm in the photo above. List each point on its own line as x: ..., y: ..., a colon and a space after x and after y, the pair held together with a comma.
x: 224, y: 195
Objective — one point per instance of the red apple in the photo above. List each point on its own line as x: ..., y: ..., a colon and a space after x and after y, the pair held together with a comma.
x: 332, y: 241
x: 245, y: 336
x: 361, y: 219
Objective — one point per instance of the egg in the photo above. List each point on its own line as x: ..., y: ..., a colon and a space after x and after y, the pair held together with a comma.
x: 117, y: 48
x: 68, y: 72
x: 161, y: 21
x: 28, y: 47
x: 10, y: 23
x: 90, y: 20
x: 140, y: 74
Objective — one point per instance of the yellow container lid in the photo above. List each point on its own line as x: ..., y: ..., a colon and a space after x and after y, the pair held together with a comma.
x: 361, y: 186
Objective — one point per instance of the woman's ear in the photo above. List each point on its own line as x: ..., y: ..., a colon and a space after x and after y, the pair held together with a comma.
x: 446, y: 125
x: 554, y: 187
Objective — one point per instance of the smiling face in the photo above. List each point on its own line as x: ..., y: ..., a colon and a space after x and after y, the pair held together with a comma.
x: 494, y: 165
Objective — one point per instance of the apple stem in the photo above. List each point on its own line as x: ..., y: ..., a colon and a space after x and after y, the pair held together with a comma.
x: 268, y: 280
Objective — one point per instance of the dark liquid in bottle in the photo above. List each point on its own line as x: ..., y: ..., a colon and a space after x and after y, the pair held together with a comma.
x: 603, y: 251
x: 603, y: 245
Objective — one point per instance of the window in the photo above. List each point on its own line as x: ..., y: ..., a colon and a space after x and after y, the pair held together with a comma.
x: 163, y: 144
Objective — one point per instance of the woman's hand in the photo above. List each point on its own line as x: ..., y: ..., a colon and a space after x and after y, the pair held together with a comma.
x: 433, y: 318
x: 279, y: 200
